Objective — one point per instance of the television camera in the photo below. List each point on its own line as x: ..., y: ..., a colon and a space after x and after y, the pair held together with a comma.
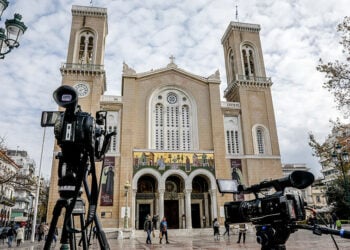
x: 275, y: 216
x: 82, y: 140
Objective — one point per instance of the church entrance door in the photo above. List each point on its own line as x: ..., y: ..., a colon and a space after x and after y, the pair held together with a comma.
x: 171, y: 212
x: 144, y: 210
x: 195, y: 212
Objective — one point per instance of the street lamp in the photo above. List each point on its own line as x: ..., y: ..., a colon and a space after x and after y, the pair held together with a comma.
x: 341, y: 157
x: 14, y: 30
x: 126, y: 188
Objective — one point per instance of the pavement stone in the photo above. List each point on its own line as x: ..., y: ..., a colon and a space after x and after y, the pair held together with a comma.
x: 302, y: 239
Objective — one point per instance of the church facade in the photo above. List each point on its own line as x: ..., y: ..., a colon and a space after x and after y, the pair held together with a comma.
x: 174, y: 134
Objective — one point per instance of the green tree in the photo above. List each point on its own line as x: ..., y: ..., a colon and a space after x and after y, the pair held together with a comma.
x: 335, y: 193
x: 338, y: 72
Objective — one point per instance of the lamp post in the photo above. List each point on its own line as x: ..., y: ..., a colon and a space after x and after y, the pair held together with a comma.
x: 126, y: 189
x: 340, y: 157
x: 14, y: 30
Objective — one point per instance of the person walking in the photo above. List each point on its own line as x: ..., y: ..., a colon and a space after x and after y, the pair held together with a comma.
x: 20, y: 235
x: 11, y: 233
x: 216, y: 227
x: 163, y: 231
x: 148, y: 228
x: 242, y: 231
x: 227, y: 228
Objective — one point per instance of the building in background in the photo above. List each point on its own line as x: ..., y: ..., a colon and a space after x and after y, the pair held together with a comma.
x: 25, y: 186
x: 175, y: 136
x: 8, y: 170
x: 340, y: 135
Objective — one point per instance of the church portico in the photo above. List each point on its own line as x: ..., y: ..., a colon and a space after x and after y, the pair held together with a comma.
x: 186, y: 200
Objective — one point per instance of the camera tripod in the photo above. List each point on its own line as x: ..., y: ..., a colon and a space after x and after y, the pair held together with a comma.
x: 75, y: 206
x: 275, y: 235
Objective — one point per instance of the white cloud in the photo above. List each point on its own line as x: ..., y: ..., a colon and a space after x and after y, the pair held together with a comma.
x: 294, y: 36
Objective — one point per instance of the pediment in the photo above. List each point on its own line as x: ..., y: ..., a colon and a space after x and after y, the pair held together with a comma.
x: 170, y: 68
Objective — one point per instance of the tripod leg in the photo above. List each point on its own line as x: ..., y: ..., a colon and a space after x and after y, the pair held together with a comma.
x: 72, y: 238
x: 56, y: 213
x: 83, y: 233
x: 101, y: 236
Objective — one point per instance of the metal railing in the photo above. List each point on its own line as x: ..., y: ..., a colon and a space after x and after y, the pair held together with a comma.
x: 249, y: 80
x: 79, y: 66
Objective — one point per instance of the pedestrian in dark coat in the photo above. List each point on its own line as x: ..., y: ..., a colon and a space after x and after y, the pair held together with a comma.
x: 148, y: 228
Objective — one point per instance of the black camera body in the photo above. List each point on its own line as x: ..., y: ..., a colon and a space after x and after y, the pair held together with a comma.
x: 278, y: 207
x: 270, y: 209
x: 275, y: 216
x: 83, y: 140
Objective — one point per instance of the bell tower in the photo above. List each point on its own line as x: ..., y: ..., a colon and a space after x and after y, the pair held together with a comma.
x: 248, y: 85
x: 83, y: 70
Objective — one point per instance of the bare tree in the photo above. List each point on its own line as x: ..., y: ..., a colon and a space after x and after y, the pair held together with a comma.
x: 338, y: 72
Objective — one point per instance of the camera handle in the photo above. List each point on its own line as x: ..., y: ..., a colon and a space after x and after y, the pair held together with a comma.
x: 318, y: 230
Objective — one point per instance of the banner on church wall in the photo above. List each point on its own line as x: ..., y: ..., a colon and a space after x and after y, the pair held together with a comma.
x: 163, y: 161
x: 107, y: 182
x: 237, y: 174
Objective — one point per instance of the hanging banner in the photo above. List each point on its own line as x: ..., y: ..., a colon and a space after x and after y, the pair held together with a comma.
x: 107, y: 182
x: 236, y: 173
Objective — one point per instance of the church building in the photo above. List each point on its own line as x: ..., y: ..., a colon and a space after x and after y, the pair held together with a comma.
x: 174, y: 133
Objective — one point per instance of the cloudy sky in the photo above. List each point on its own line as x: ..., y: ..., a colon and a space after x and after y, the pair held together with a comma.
x: 294, y: 35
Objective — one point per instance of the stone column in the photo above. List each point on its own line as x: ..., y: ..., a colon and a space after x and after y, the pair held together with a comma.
x: 133, y: 209
x: 214, y: 205
x: 161, y: 204
x: 206, y: 210
x: 188, y: 208
x: 181, y: 210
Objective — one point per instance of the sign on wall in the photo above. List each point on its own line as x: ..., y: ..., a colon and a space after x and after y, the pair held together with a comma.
x: 237, y: 174
x: 107, y: 182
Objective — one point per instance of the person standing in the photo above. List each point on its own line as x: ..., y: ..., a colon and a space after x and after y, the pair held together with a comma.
x: 148, y: 228
x: 338, y: 223
x: 154, y: 221
x: 242, y: 231
x: 334, y: 219
x: 11, y: 233
x: 227, y: 228
x: 216, y: 227
x: 20, y: 235
x: 163, y: 230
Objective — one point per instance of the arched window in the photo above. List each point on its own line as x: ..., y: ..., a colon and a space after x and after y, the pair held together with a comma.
x: 172, y: 121
x: 232, y: 135
x: 261, y: 139
x: 231, y: 69
x: 86, y: 47
x: 248, y: 56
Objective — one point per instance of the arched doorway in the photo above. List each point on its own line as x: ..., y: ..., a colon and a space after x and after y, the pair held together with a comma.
x: 146, y: 204
x: 200, y: 204
x: 173, y: 201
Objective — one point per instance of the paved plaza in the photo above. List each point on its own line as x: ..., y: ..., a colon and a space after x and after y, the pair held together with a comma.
x: 300, y: 240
